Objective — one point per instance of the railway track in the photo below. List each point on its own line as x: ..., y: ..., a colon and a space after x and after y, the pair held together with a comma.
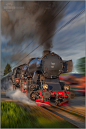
x: 57, y: 113
x: 71, y: 111
x: 74, y: 120
x: 47, y: 112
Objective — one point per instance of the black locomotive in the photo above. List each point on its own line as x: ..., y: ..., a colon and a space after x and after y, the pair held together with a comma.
x: 39, y: 79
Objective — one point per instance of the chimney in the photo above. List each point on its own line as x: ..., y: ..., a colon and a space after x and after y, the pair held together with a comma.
x: 45, y: 52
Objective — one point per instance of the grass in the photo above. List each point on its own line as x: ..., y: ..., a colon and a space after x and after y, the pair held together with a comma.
x: 14, y: 116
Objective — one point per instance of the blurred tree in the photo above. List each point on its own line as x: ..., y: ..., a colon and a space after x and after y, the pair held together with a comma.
x: 80, y: 65
x: 7, y: 69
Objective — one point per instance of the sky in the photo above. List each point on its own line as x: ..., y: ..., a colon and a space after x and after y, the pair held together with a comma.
x: 69, y: 42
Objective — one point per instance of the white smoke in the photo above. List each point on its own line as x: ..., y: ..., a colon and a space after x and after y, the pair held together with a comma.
x: 6, y: 85
x: 15, y: 94
x: 18, y: 95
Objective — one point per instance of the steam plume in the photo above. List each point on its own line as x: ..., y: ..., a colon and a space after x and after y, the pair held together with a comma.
x: 35, y: 19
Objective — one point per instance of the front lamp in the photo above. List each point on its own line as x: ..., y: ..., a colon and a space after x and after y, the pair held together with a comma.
x: 66, y: 87
x: 45, y: 86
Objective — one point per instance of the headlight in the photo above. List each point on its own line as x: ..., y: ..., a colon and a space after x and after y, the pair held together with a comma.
x: 45, y: 86
x: 66, y: 87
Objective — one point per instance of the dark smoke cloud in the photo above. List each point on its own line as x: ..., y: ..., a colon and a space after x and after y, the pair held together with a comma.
x: 16, y: 57
x: 48, y: 22
x: 32, y: 21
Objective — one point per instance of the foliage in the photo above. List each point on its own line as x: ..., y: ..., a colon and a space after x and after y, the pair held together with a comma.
x: 7, y: 69
x: 14, y: 116
x: 80, y: 66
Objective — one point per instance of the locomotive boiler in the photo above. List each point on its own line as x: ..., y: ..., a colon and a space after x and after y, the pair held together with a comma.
x: 50, y: 65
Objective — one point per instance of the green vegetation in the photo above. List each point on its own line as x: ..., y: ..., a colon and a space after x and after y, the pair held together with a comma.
x: 81, y: 65
x: 14, y: 116
x: 7, y: 69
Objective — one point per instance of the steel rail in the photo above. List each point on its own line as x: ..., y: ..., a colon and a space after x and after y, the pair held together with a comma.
x: 68, y: 110
x: 57, y: 115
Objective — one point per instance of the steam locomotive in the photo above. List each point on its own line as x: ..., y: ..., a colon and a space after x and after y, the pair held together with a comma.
x: 39, y: 79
